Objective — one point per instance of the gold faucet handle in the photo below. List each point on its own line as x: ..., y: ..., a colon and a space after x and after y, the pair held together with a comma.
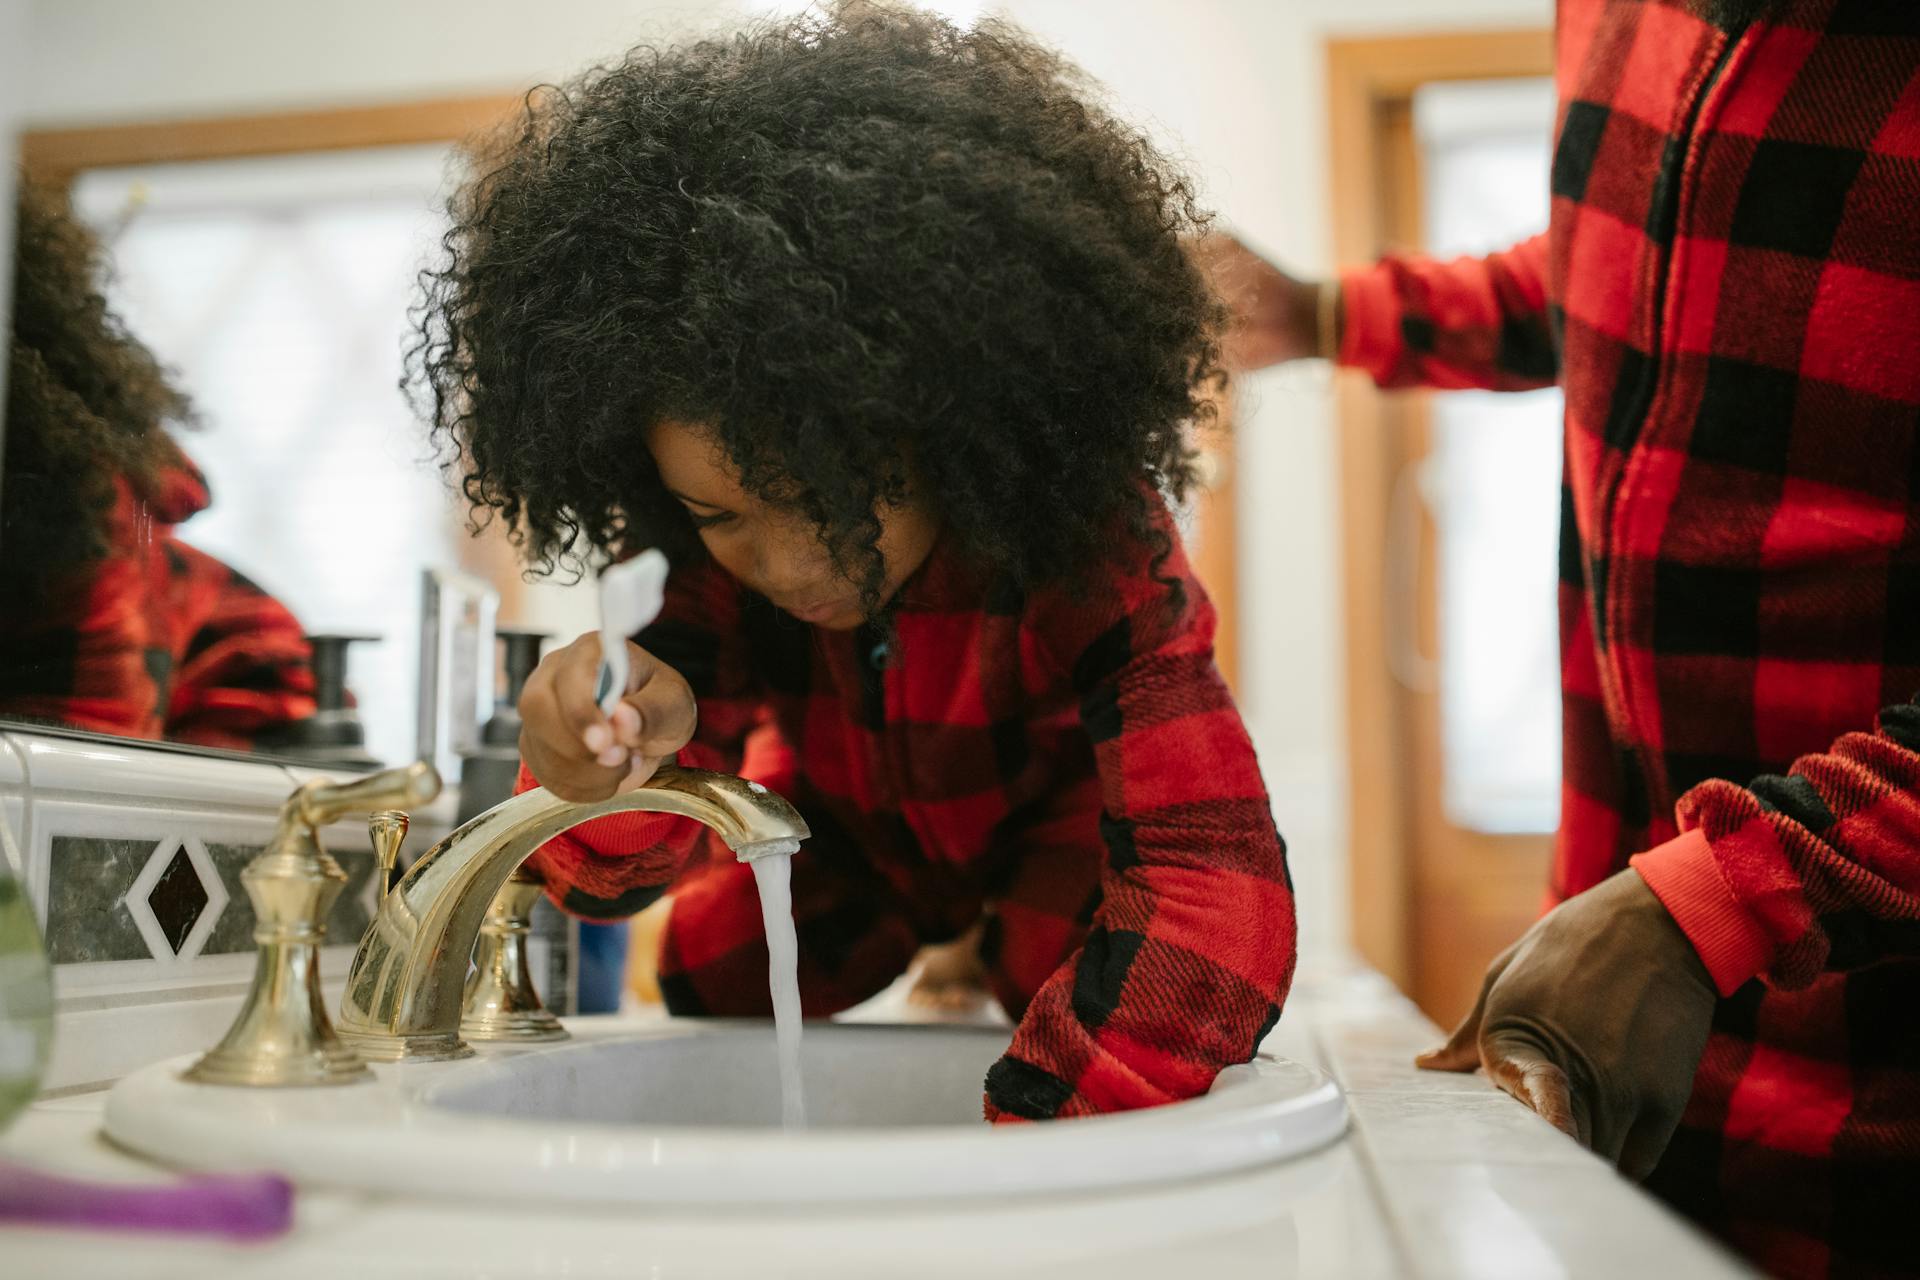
x: 387, y: 829
x: 283, y: 1035
x: 326, y: 802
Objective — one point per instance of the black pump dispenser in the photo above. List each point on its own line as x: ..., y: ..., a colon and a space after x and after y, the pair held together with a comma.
x: 334, y: 733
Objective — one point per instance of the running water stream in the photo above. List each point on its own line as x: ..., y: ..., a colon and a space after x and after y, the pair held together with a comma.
x: 772, y: 865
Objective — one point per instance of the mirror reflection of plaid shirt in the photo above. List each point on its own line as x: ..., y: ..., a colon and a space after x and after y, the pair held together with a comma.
x: 1729, y: 293
x: 1070, y: 764
x: 158, y: 639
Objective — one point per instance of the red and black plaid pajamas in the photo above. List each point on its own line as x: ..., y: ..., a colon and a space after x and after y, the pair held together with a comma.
x: 1070, y: 764
x: 158, y: 639
x: 1729, y: 292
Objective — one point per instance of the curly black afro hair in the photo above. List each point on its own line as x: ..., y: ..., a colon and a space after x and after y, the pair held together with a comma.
x: 86, y: 404
x: 869, y: 251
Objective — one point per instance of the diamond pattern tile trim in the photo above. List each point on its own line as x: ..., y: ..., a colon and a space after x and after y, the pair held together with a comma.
x: 177, y: 899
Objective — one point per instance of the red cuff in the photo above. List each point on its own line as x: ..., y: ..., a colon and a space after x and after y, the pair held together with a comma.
x: 615, y: 836
x: 1684, y: 876
x: 1369, y: 322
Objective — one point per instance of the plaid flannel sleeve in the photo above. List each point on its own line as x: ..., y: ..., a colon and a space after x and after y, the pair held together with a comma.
x: 1191, y: 948
x: 612, y: 867
x: 1795, y: 876
x: 1471, y: 322
x: 244, y: 668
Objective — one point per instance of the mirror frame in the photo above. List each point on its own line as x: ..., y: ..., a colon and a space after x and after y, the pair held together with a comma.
x: 51, y: 729
x: 56, y: 156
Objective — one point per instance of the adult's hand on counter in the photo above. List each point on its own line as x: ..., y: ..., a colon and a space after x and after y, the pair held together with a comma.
x: 1275, y: 317
x: 1596, y: 1019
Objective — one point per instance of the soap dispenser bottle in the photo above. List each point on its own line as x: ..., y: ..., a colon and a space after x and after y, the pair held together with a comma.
x: 334, y: 734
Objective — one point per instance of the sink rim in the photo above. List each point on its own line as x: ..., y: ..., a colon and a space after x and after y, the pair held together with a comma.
x: 390, y: 1136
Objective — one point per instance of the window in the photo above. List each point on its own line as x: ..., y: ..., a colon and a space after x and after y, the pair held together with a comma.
x: 1492, y: 479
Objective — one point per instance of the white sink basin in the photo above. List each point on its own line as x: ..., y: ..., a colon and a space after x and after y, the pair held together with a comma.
x: 688, y: 1113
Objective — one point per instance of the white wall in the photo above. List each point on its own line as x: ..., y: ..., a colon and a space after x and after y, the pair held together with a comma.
x: 1234, y: 86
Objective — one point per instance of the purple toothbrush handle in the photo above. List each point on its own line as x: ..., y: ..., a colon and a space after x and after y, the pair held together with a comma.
x: 239, y: 1206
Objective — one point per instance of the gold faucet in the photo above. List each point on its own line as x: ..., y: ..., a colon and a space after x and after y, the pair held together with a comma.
x: 408, y: 981
x: 282, y: 1036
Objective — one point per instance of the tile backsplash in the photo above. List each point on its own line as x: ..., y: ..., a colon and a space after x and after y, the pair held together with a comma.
x: 168, y: 899
x: 132, y: 856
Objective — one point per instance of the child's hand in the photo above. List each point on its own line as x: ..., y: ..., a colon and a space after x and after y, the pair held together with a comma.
x: 577, y: 752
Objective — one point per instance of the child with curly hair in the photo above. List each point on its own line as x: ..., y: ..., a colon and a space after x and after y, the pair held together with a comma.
x: 885, y: 333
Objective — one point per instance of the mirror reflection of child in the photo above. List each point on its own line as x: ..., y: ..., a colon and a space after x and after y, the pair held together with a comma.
x: 108, y: 621
x: 884, y: 331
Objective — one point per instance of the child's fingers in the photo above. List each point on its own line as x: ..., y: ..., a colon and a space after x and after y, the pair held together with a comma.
x: 627, y: 721
x: 626, y: 725
x: 540, y: 713
x: 644, y: 721
x: 557, y: 757
x: 639, y: 771
x: 640, y: 666
x: 612, y: 743
x: 574, y: 681
x: 663, y: 714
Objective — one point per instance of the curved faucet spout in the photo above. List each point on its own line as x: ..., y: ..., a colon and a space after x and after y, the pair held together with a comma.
x: 408, y: 980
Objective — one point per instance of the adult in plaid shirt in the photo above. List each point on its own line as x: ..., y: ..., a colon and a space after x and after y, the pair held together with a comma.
x: 1729, y: 293
x: 155, y: 638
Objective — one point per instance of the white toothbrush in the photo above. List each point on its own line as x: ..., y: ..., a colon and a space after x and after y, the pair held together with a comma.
x: 631, y: 596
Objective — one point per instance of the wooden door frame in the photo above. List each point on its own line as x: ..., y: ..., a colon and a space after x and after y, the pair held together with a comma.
x: 1369, y: 80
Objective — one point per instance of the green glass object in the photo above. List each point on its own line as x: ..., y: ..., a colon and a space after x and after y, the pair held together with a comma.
x: 26, y: 999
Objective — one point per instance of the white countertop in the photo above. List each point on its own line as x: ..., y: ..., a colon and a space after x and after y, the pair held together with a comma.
x: 1441, y: 1176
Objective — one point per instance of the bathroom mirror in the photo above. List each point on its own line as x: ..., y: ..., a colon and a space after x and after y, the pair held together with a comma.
x: 265, y: 593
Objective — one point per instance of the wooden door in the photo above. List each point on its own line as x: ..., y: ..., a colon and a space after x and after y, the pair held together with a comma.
x: 1433, y: 901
